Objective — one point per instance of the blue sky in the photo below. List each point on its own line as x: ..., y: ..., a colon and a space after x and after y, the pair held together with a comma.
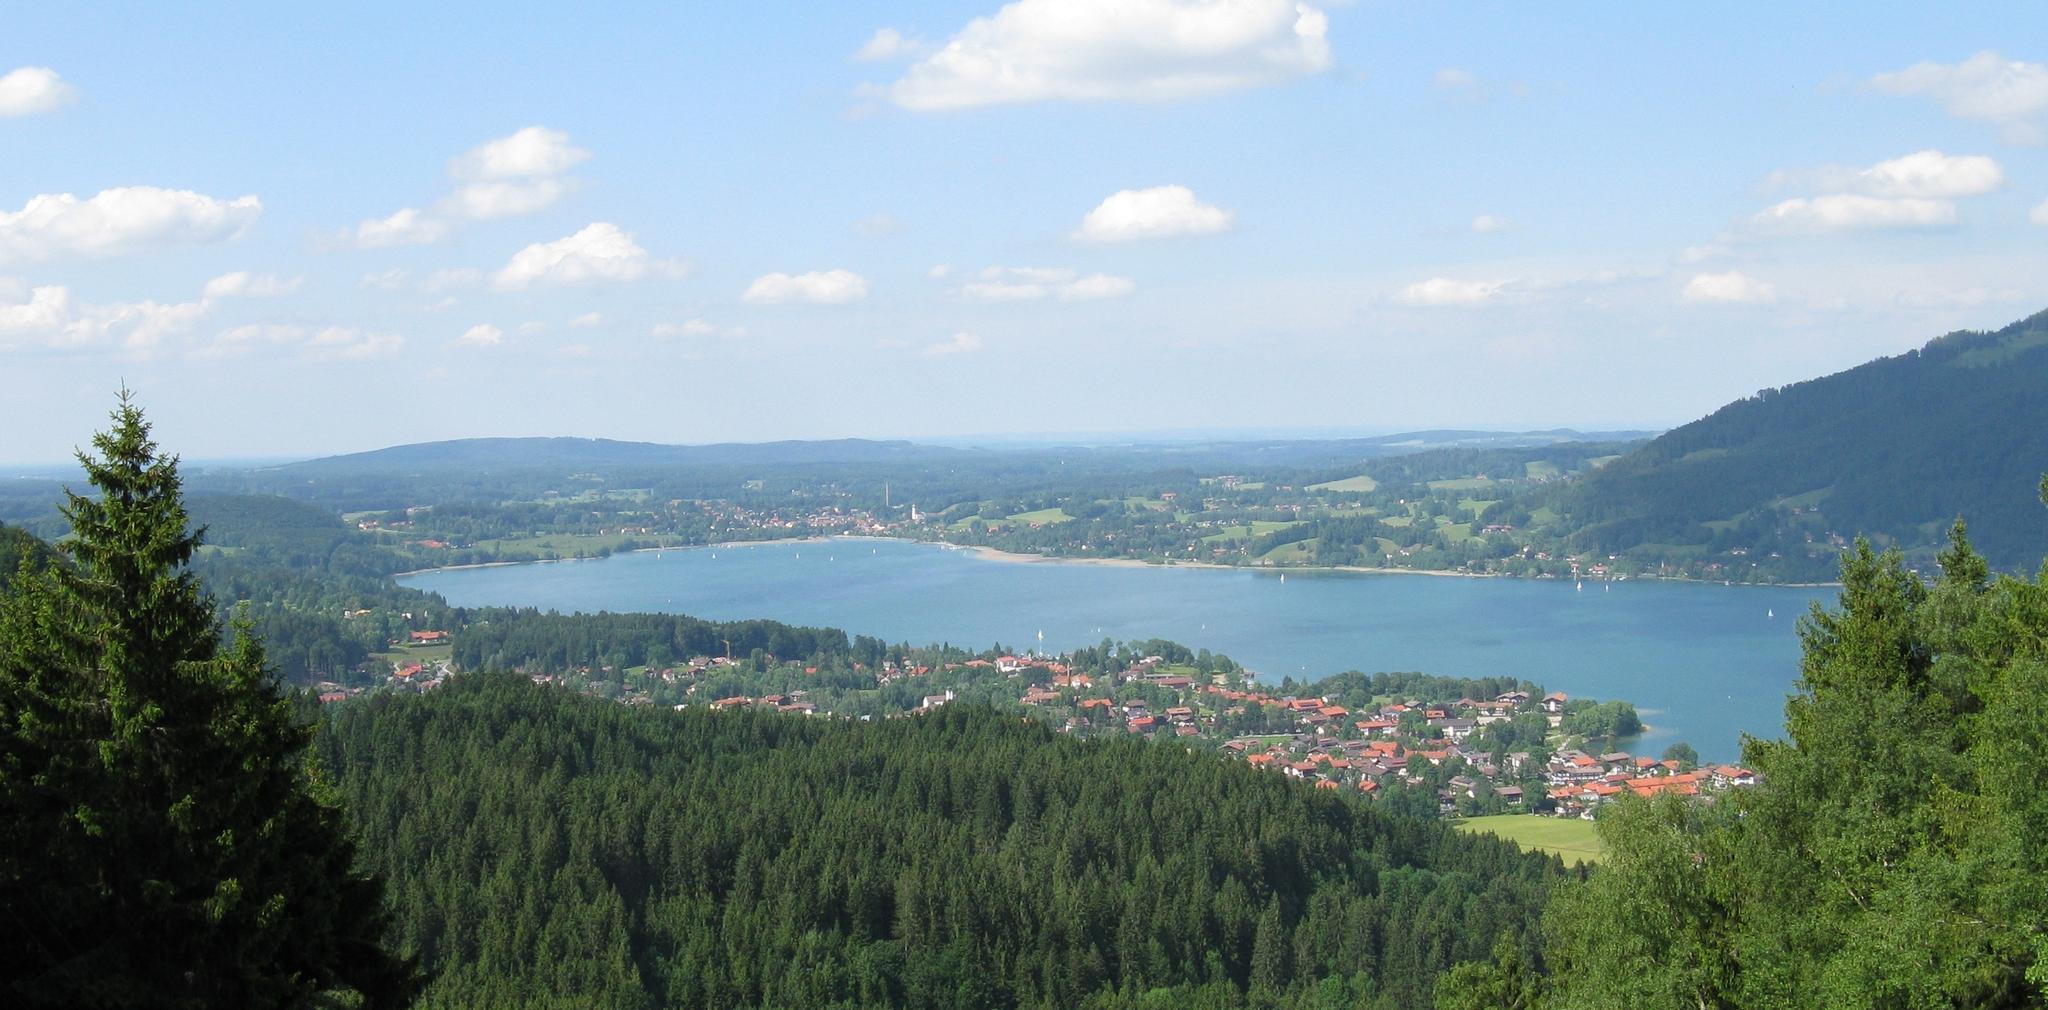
x: 299, y: 232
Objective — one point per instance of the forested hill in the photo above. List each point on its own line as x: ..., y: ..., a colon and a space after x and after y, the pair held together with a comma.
x: 545, y: 849
x: 1896, y: 448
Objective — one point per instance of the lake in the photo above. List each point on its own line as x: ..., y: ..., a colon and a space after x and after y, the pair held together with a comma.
x: 1703, y: 663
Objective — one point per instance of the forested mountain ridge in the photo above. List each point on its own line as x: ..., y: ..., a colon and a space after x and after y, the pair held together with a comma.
x: 1895, y: 449
x: 550, y: 849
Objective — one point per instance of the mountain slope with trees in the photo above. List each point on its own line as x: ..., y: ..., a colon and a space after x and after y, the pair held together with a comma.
x: 548, y: 849
x: 1894, y: 449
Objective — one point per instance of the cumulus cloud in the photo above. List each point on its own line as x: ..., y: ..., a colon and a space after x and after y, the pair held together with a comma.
x: 1486, y: 224
x: 1131, y: 215
x: 243, y: 284
x: 1986, y: 88
x: 489, y: 201
x: 50, y: 317
x: 1836, y: 212
x: 1731, y: 288
x: 958, y: 343
x: 600, y: 252
x: 2040, y: 213
x: 121, y: 220
x: 346, y: 343
x: 1438, y: 292
x: 1117, y: 50
x: 406, y: 227
x: 1932, y: 174
x: 1454, y: 79
x: 26, y: 91
x: 535, y: 152
x: 511, y: 176
x: 887, y: 45
x: 587, y: 320
x: 1017, y: 284
x: 481, y: 335
x: 823, y: 287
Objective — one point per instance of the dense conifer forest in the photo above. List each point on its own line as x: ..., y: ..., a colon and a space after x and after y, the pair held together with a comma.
x: 546, y: 849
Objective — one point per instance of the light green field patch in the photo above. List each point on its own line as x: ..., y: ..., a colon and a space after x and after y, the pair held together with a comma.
x: 1569, y: 838
x: 1461, y: 484
x: 1457, y: 532
x: 1599, y: 461
x: 1543, y: 516
x: 1398, y: 521
x: 1474, y: 506
x: 1360, y: 484
x: 1043, y: 517
x: 1541, y: 469
x: 1298, y: 553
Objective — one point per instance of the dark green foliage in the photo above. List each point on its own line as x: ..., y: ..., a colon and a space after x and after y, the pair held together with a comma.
x: 1896, y: 854
x: 548, y: 849
x: 1900, y: 446
x: 507, y: 638
x: 16, y: 547
x: 162, y: 843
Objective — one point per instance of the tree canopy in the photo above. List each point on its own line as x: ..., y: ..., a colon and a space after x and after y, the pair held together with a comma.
x: 163, y: 840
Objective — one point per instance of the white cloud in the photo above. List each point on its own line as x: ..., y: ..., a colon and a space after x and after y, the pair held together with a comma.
x: 1931, y: 174
x: 121, y: 220
x: 1852, y: 212
x: 331, y: 343
x: 532, y: 327
x: 243, y: 284
x: 406, y: 227
x: 824, y: 287
x: 888, y: 45
x: 600, y: 252
x: 1117, y: 50
x: 489, y: 201
x: 26, y: 91
x: 587, y: 320
x: 1486, y: 224
x: 535, y: 152
x: 1731, y: 288
x: 1159, y: 212
x: 482, y: 335
x: 940, y: 271
x: 51, y: 318
x: 1446, y: 291
x: 1987, y: 88
x: 1016, y: 284
x: 2040, y: 213
x: 507, y: 177
x: 393, y: 279
x: 346, y: 343
x: 958, y: 343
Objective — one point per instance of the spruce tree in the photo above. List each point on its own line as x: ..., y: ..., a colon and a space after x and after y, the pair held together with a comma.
x: 163, y: 839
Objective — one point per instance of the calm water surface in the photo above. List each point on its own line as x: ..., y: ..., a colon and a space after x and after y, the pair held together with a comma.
x: 1703, y: 663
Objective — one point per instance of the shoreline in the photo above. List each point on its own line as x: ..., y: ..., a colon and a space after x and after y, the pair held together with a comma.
x: 1020, y: 558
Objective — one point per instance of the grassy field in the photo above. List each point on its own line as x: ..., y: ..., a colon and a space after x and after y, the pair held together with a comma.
x: 1570, y: 838
x: 1043, y: 517
x: 1300, y: 552
x: 1360, y: 483
x: 1461, y: 484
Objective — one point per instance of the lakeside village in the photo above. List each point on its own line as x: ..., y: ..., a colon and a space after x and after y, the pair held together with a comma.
x: 1224, y: 522
x: 1452, y: 746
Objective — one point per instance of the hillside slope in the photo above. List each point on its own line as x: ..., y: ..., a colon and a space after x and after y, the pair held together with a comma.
x: 1895, y: 448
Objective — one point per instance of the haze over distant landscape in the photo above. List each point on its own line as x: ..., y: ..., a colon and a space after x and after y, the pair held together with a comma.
x: 743, y: 223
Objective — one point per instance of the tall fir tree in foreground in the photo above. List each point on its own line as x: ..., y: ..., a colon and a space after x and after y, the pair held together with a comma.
x: 163, y: 840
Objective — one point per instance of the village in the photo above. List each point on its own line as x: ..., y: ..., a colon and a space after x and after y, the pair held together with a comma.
x: 1406, y: 736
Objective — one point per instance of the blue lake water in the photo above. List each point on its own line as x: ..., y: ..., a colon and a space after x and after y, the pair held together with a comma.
x: 1703, y: 663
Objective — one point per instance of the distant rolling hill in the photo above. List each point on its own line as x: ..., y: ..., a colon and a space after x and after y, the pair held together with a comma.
x: 498, y: 453
x: 1896, y: 448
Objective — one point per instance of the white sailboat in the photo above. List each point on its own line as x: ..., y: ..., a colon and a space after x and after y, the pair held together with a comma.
x: 1771, y: 614
x: 1581, y: 587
